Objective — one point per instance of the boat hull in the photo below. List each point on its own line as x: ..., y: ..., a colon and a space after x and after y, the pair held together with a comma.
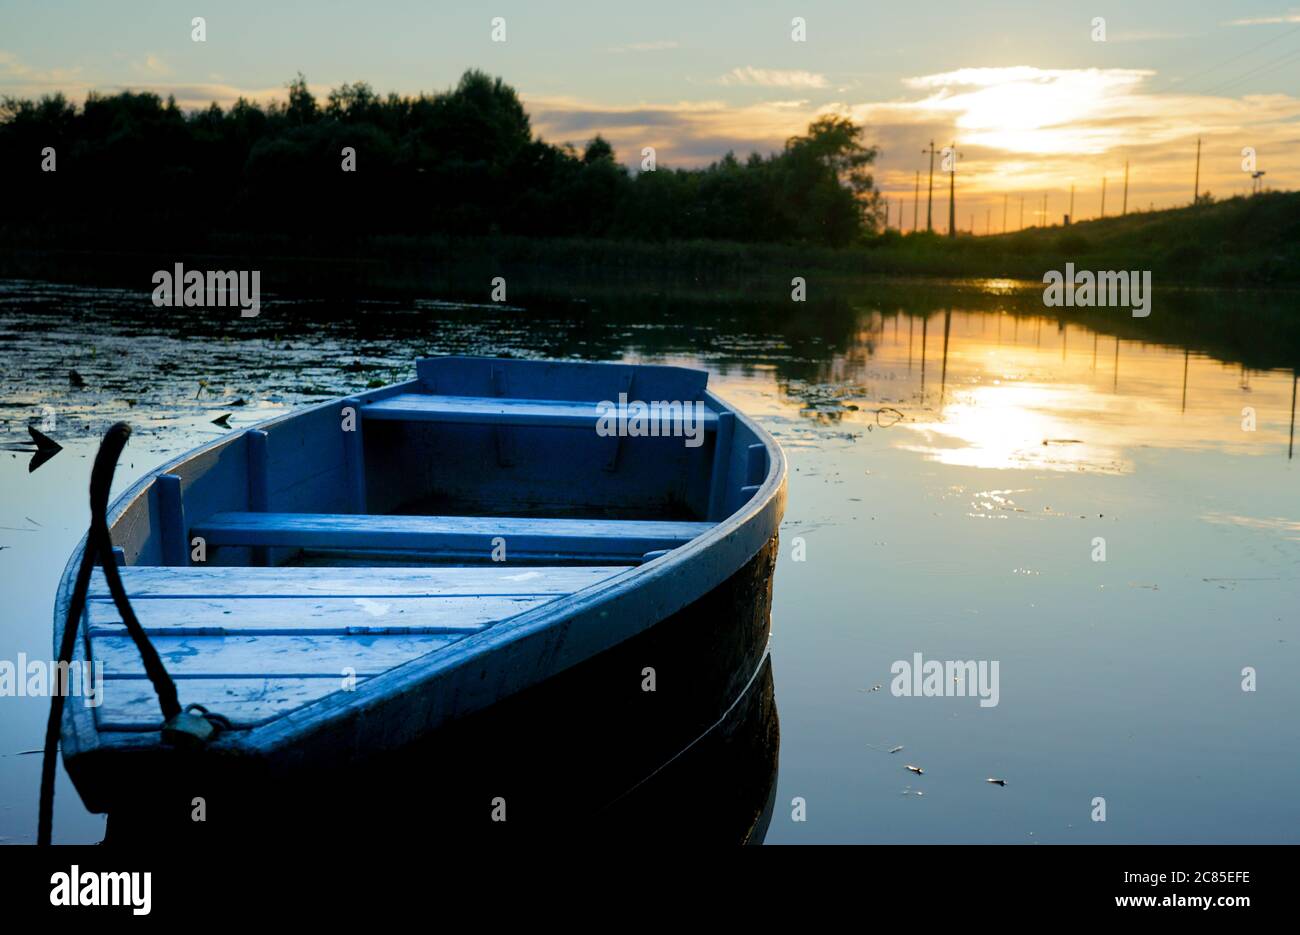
x: 596, y: 749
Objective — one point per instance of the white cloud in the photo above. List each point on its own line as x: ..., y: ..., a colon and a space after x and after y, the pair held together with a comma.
x: 152, y: 66
x: 658, y: 45
x: 14, y: 73
x: 773, y: 78
x: 1024, y: 109
x: 1266, y: 20
x: 993, y: 77
x: 1149, y: 35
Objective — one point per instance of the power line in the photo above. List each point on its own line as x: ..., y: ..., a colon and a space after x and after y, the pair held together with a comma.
x: 1280, y: 60
x: 1229, y: 61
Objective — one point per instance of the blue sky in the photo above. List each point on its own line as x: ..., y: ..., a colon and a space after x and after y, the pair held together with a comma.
x: 1032, y: 101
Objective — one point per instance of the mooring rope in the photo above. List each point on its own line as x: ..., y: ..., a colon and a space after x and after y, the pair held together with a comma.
x: 99, y: 542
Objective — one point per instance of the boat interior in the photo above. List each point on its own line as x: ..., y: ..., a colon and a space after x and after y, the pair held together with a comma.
x: 320, y: 549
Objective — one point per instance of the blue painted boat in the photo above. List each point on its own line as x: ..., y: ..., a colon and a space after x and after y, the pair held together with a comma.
x: 343, y: 581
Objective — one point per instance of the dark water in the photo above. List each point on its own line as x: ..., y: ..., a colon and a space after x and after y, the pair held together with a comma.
x: 955, y: 456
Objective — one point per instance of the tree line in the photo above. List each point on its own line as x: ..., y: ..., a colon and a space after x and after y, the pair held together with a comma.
x: 462, y: 162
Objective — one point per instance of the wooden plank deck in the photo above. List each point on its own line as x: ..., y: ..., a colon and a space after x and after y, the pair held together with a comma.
x: 333, y: 657
x: 314, y: 616
x: 254, y: 643
x: 148, y: 581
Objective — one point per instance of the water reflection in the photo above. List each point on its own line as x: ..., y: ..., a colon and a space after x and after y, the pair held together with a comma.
x: 1007, y: 398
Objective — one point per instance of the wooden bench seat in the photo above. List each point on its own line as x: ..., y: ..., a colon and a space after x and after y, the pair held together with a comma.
x: 490, y: 410
x: 526, y: 537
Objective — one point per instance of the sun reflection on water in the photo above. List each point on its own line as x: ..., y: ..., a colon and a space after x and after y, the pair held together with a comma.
x: 995, y: 390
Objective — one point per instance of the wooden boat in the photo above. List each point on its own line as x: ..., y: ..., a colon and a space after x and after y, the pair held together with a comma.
x: 362, y: 575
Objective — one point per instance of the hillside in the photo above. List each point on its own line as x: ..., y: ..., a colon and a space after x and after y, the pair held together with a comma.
x: 1240, y: 242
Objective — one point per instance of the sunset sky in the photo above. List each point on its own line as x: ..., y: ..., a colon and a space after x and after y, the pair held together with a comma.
x: 1032, y: 101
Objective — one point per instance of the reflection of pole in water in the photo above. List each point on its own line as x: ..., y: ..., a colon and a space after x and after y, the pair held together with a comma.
x: 1186, y: 356
x: 925, y: 327
x: 1065, y: 330
x: 1000, y: 314
x: 1038, y: 333
x: 911, y: 327
x: 1115, y: 387
x: 943, y: 373
x: 1096, y: 336
x: 1290, y: 448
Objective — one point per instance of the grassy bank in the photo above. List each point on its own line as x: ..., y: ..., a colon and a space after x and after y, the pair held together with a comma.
x: 1239, y: 243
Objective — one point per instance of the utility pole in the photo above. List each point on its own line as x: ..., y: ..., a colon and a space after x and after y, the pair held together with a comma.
x: 1004, y: 212
x: 916, y: 201
x: 1072, y: 218
x: 1196, y: 190
x: 988, y: 221
x: 1103, y: 196
x: 929, y: 198
x: 952, y: 195
x: 1044, y: 209
x: 1124, y: 210
x: 1022, y: 213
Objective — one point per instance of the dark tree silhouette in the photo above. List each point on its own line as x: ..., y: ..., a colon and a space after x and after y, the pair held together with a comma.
x: 463, y: 161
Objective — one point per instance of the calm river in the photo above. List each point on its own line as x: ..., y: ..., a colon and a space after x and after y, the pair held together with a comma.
x: 1107, y: 516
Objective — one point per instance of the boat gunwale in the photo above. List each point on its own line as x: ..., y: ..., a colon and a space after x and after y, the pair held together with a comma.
x: 732, y: 541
